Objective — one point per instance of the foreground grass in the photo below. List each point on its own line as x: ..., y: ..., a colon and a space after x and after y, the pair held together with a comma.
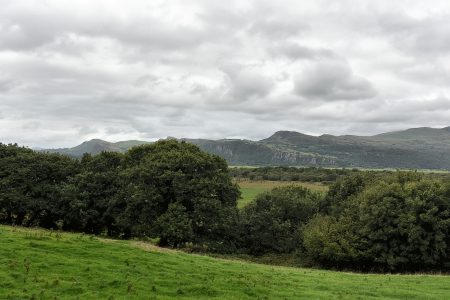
x: 38, y: 264
x: 250, y: 189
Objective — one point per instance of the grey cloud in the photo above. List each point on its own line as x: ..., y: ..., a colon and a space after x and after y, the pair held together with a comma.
x: 7, y: 84
x: 332, y: 80
x: 280, y: 27
x: 25, y: 29
x: 16, y: 37
x: 426, y: 73
x: 421, y: 36
x: 145, y: 70
x: 246, y: 82
x: 86, y: 130
x: 294, y: 51
x: 24, y: 26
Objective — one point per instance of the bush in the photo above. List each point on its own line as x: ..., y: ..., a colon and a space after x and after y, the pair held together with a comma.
x: 328, y: 243
x: 398, y: 223
x: 174, y: 226
x: 273, y: 222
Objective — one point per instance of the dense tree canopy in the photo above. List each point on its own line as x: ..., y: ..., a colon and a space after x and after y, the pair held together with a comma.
x: 168, y: 189
x: 395, y: 223
x: 176, y: 179
x: 30, y: 185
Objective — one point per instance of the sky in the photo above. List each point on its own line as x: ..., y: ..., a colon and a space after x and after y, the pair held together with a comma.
x: 71, y: 71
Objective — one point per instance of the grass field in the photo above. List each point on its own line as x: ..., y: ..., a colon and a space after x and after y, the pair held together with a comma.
x: 250, y: 189
x: 39, y: 264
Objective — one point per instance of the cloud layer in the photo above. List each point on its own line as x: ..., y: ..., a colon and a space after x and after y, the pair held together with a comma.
x: 75, y: 70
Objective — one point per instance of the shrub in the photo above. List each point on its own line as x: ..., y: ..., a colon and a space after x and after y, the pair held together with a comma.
x: 398, y: 223
x: 273, y: 222
x: 174, y: 226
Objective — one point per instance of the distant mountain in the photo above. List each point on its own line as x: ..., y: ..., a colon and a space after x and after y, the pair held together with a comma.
x: 416, y: 148
x: 245, y: 152
x: 96, y: 146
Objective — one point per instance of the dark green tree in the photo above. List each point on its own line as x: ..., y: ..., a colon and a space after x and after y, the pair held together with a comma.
x: 169, y: 172
x: 273, y: 222
x: 30, y: 185
x: 89, y: 195
x: 400, y: 222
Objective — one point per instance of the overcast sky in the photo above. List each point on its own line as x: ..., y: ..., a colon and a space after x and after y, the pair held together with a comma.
x: 117, y: 70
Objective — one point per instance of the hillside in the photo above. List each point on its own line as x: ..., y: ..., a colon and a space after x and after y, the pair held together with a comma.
x: 416, y: 148
x: 96, y: 146
x: 39, y: 264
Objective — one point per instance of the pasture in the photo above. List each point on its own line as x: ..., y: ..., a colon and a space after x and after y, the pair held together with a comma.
x: 41, y: 264
x: 250, y: 189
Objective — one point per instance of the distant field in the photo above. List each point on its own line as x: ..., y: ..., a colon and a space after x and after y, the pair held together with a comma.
x: 357, y: 168
x: 250, y: 189
x: 38, y: 264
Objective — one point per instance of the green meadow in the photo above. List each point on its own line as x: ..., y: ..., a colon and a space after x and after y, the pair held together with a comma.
x: 250, y: 189
x: 41, y: 264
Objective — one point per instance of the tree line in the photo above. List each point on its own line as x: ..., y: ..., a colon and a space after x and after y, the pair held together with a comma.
x: 173, y: 192
x: 284, y: 173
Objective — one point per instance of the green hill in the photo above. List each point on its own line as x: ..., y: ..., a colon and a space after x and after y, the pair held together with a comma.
x: 416, y: 148
x: 39, y: 264
x: 96, y: 146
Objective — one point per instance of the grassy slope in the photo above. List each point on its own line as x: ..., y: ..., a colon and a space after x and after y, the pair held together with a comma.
x: 42, y: 264
x: 250, y: 189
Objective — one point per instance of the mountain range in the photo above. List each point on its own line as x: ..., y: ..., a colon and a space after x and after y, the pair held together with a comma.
x: 415, y: 148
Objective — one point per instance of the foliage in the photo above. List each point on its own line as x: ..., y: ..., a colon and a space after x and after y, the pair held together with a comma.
x: 175, y: 173
x: 310, y: 174
x: 30, y: 186
x: 329, y: 243
x: 396, y: 223
x: 88, y: 195
x: 168, y: 189
x: 174, y: 226
x: 273, y: 222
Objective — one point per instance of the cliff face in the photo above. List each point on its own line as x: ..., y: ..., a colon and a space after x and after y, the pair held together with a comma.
x: 298, y: 158
x: 241, y: 152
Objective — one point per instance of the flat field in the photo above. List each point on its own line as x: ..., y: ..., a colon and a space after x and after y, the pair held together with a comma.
x: 250, y: 189
x: 40, y: 264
